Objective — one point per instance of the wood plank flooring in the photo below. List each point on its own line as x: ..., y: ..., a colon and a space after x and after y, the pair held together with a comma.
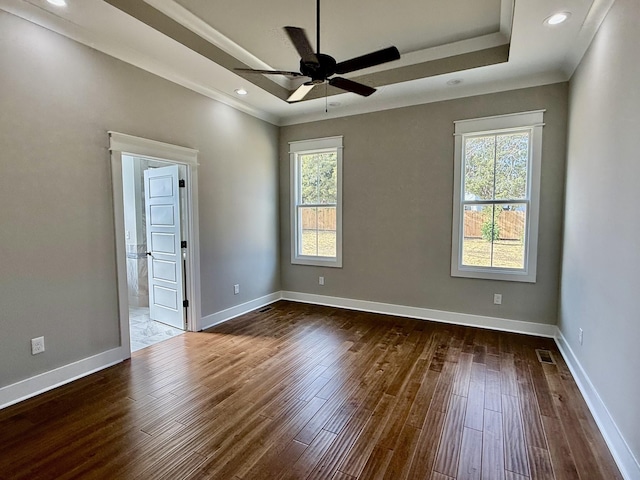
x: 308, y: 392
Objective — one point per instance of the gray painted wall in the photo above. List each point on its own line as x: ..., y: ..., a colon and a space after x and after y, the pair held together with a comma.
x: 57, y: 258
x: 600, y: 284
x: 397, y: 209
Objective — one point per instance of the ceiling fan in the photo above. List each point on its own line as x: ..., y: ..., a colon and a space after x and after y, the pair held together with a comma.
x: 319, y: 66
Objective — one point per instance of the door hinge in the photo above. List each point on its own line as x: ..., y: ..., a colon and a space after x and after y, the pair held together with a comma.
x: 181, y: 183
x: 183, y: 244
x: 185, y: 303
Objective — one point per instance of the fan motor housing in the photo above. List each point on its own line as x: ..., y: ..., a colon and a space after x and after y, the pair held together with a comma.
x: 320, y: 71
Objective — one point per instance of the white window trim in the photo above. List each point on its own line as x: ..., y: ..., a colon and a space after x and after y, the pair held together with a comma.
x: 533, y: 121
x: 310, y: 146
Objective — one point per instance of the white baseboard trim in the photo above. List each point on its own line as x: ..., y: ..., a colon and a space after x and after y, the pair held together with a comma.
x: 233, y: 312
x: 57, y: 377
x: 622, y: 454
x: 492, y: 323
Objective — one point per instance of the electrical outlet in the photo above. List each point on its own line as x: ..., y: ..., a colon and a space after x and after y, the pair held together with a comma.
x: 321, y: 280
x: 580, y: 336
x: 236, y: 289
x: 37, y: 345
x: 497, y: 299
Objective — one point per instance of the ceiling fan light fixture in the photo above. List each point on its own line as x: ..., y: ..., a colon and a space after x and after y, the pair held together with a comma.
x: 320, y: 68
x: 300, y: 92
x: 557, y: 18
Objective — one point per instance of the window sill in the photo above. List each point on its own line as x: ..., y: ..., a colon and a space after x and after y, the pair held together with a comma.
x: 317, y: 262
x: 497, y: 274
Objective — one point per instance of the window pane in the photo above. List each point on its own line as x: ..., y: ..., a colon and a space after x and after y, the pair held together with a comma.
x: 318, y: 231
x: 308, y: 221
x: 494, y: 235
x: 308, y: 179
x: 477, y: 235
x: 509, y: 246
x: 512, y: 155
x: 479, y: 155
x: 319, y: 178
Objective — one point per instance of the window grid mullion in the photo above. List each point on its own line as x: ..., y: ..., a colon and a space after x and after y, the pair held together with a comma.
x: 493, y: 208
x: 298, y: 203
x: 317, y: 178
x: 317, y: 234
x: 299, y: 229
x: 318, y: 205
x: 494, y: 202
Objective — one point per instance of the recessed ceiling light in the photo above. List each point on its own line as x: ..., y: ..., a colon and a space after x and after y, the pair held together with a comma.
x: 557, y: 18
x: 58, y: 3
x: 241, y: 91
x: 455, y: 81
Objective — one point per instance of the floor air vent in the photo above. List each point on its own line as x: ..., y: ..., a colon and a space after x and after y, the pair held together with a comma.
x: 545, y: 356
x: 265, y: 309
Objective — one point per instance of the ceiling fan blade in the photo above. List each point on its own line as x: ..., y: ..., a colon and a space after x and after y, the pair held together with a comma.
x: 351, y: 86
x: 269, y: 72
x: 300, y: 92
x: 369, y: 60
x: 302, y: 44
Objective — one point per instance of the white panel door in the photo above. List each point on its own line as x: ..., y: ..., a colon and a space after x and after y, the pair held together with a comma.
x: 164, y: 255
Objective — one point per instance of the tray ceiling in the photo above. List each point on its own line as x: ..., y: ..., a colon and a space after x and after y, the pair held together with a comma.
x: 348, y: 28
x: 449, y: 49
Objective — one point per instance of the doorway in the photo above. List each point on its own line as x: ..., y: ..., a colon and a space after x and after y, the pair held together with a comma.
x: 152, y: 199
x: 156, y: 224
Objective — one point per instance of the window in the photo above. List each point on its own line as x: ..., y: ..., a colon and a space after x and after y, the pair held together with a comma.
x: 496, y: 196
x: 316, y: 202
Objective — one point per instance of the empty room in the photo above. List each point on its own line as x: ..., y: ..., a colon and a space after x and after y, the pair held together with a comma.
x: 319, y: 240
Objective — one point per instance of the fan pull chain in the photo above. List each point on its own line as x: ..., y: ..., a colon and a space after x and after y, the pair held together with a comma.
x: 326, y: 99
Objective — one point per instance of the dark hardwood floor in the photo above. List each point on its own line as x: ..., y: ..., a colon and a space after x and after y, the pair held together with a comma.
x: 308, y: 392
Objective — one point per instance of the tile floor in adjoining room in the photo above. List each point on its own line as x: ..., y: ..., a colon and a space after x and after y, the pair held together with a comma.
x: 146, y: 332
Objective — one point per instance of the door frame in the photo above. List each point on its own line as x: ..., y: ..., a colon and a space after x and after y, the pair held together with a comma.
x: 120, y: 145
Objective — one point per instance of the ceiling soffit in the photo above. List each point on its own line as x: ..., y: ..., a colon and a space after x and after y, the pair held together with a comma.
x: 348, y: 29
x: 192, y: 31
x: 171, y: 28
